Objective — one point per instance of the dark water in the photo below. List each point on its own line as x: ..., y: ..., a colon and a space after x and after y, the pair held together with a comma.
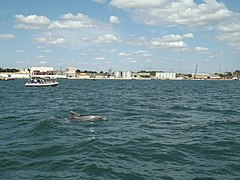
x: 156, y: 130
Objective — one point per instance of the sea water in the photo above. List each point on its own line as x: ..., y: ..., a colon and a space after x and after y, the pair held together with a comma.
x: 155, y: 130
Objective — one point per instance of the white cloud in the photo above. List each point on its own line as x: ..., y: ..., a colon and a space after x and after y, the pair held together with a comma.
x: 31, y: 22
x: 56, y: 41
x: 19, y: 51
x: 166, y: 45
x: 41, y: 57
x: 110, y: 51
x: 188, y: 35
x: 201, y: 49
x: 99, y: 1
x: 73, y: 30
x: 230, y: 33
x: 70, y: 21
x: 6, y: 36
x: 99, y: 58
x: 50, y: 39
x: 124, y: 54
x: 107, y: 38
x: 229, y: 27
x: 134, y: 61
x: 180, y: 12
x: 43, y: 62
x: 140, y: 41
x: 171, y: 41
x: 147, y: 55
x: 142, y: 53
x: 40, y: 47
x: 176, y: 37
x: 46, y: 51
x: 114, y: 20
x: 133, y: 4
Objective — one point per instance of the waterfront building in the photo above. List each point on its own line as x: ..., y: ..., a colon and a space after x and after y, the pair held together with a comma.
x: 165, y: 75
x: 82, y: 75
x: 144, y: 75
x: 214, y: 76
x: 101, y: 75
x: 117, y: 74
x: 200, y: 75
x: 21, y: 74
x: 24, y: 71
x: 41, y: 72
x: 70, y: 72
x: 127, y: 74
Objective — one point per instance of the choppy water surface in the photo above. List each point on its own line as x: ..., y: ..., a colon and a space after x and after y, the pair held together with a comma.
x: 156, y: 130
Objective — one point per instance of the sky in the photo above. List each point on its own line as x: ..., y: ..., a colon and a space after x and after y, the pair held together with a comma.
x: 131, y: 35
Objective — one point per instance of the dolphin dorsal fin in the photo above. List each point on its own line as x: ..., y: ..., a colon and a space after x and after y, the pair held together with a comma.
x: 74, y: 114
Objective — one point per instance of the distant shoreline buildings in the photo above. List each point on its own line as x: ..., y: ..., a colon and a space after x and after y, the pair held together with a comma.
x: 73, y: 73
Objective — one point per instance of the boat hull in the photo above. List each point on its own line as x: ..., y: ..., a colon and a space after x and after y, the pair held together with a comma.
x: 41, y: 85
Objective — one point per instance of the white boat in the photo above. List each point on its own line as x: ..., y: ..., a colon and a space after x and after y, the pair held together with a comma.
x: 41, y: 83
x: 6, y: 78
x: 235, y: 78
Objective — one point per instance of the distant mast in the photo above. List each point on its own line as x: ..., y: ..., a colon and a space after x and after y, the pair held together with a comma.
x: 195, y: 74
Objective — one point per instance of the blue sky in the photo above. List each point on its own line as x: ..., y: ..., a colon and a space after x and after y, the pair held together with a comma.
x: 166, y: 35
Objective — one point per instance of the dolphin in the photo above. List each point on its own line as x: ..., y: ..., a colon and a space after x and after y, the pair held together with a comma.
x: 78, y: 117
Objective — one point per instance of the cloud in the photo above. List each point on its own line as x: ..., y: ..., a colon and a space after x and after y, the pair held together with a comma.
x: 73, y: 30
x: 70, y: 21
x: 99, y: 58
x: 189, y: 35
x: 140, y: 41
x: 135, y: 4
x: 6, y: 36
x: 99, y: 1
x: 171, y: 41
x: 202, y: 49
x: 124, y: 54
x: 180, y: 12
x: 230, y: 33
x: 32, y: 22
x: 46, y: 51
x: 142, y: 53
x: 41, y: 57
x: 168, y: 45
x: 107, y: 38
x: 114, y: 20
x: 50, y: 39
x: 43, y: 62
x: 174, y: 37
x: 19, y: 51
x: 134, y: 61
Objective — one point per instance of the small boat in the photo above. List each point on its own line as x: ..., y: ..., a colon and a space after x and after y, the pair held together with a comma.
x: 6, y: 78
x: 235, y: 78
x: 41, y: 83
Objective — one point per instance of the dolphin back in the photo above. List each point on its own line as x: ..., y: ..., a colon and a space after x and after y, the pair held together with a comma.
x: 76, y: 116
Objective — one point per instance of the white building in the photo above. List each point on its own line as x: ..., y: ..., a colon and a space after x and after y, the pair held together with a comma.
x: 200, y: 75
x: 71, y: 72
x: 165, y: 75
x: 41, y: 72
x: 23, y: 73
x: 127, y: 74
x: 117, y: 74
x: 16, y: 75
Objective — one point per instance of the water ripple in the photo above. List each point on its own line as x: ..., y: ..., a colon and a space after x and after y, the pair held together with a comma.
x: 156, y: 130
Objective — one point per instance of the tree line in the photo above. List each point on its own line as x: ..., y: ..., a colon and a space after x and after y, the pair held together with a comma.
x: 12, y: 70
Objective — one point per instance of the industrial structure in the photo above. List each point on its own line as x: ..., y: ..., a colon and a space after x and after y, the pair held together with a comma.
x: 72, y: 73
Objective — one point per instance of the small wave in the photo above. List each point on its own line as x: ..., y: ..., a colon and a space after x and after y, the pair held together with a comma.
x: 43, y: 126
